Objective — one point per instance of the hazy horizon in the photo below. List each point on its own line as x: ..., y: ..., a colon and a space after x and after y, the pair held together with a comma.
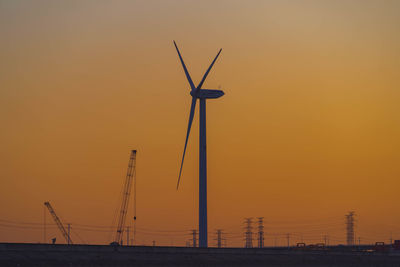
x: 307, y: 131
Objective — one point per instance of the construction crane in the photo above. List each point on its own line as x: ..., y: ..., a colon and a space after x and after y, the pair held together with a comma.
x: 130, y: 175
x: 59, y: 223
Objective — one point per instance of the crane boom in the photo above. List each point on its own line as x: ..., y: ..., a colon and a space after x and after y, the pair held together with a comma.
x: 58, y: 222
x: 130, y: 175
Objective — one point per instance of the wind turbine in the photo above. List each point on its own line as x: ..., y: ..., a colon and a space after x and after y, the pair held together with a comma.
x: 202, y: 95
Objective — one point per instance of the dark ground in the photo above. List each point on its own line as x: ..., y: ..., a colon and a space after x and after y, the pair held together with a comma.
x: 17, y: 254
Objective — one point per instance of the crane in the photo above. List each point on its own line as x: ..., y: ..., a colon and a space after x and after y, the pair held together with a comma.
x: 58, y: 222
x: 130, y: 175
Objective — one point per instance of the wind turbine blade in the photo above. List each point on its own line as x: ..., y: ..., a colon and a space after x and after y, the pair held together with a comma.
x: 185, y: 69
x: 208, y: 70
x: 192, y: 109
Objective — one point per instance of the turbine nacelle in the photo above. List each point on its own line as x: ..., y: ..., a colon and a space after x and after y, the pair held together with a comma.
x: 207, y: 93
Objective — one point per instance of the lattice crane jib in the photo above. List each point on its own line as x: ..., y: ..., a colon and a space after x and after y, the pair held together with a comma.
x: 58, y: 222
x: 130, y: 176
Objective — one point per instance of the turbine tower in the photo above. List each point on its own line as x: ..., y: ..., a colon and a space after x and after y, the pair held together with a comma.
x: 202, y: 95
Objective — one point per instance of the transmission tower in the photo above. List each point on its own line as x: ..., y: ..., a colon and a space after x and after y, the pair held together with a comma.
x: 219, y: 238
x: 326, y: 240
x: 248, y: 232
x: 194, y: 238
x: 350, y: 228
x: 260, y: 233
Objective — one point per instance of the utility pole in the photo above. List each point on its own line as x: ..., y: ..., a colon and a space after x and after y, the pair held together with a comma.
x: 219, y: 238
x: 260, y: 232
x: 350, y: 228
x: 249, y: 232
x: 133, y: 241
x: 44, y: 224
x: 194, y: 238
x: 69, y: 231
x: 127, y: 235
x: 288, y: 240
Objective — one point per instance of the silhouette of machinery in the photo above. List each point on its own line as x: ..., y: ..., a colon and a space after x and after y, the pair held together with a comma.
x: 59, y: 223
x: 130, y: 177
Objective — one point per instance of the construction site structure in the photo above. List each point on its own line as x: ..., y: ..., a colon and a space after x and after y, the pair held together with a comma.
x: 260, y: 233
x: 130, y: 175
x: 248, y: 232
x: 350, y: 228
x: 59, y: 224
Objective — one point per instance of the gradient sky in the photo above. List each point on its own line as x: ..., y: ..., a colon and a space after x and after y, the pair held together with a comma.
x: 308, y: 128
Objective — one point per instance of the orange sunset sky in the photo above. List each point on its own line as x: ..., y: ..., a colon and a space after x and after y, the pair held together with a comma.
x: 307, y: 131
